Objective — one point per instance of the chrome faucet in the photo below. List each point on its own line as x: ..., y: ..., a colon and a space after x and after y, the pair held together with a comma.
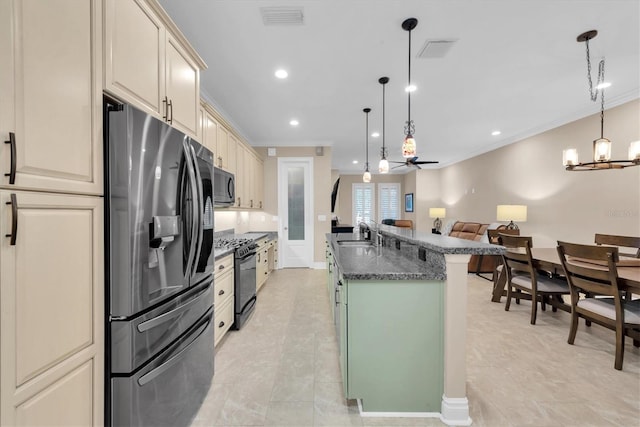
x: 379, y: 239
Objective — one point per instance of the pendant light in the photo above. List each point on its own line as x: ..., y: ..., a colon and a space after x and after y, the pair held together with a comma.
x: 409, y: 144
x: 383, y: 166
x: 367, y: 175
x: 601, y: 146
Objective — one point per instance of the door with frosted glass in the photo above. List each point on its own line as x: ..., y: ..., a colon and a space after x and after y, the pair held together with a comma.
x: 295, y: 205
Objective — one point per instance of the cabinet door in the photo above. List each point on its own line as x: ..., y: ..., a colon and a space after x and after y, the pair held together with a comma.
x: 240, y: 171
x: 223, y: 149
x: 211, y: 135
x: 258, y: 182
x: 182, y: 88
x: 344, y: 335
x: 232, y: 150
x: 134, y: 54
x: 51, y: 308
x: 51, y: 95
x: 249, y: 174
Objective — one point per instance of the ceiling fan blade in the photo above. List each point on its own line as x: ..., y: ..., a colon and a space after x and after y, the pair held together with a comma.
x: 425, y: 162
x: 399, y: 166
x: 393, y: 161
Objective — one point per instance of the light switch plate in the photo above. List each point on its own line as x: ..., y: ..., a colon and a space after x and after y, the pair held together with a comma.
x: 322, y: 218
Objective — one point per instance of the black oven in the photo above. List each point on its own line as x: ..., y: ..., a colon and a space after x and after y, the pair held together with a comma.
x: 244, y: 283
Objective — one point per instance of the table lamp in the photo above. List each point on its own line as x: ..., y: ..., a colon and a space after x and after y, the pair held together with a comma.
x: 437, y: 223
x: 512, y: 213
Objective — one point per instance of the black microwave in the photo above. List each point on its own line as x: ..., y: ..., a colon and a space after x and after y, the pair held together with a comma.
x: 224, y: 188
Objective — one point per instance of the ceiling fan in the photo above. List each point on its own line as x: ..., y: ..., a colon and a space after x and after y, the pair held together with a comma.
x: 413, y: 161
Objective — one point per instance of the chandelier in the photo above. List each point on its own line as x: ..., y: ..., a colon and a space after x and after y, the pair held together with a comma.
x: 602, y: 145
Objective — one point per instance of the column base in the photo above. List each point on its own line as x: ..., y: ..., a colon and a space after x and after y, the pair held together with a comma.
x: 455, y: 411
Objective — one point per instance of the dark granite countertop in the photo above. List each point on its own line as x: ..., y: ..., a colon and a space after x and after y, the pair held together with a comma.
x: 405, y: 255
x: 380, y: 263
x: 439, y: 243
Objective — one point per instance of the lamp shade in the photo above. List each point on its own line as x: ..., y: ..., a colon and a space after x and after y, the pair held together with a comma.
x: 511, y: 213
x: 437, y: 212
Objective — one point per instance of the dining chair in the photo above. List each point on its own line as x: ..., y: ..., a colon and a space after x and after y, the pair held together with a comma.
x: 494, y: 238
x: 592, y: 270
x: 620, y: 241
x: 523, y: 279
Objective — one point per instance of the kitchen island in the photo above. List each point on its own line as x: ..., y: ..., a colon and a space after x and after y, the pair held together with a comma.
x: 400, y: 314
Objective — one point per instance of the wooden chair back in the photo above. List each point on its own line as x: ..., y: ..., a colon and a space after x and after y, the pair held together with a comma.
x: 596, y: 275
x: 494, y: 235
x: 520, y: 260
x: 620, y: 241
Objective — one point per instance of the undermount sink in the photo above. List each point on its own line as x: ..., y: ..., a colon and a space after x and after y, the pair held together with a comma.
x: 356, y: 243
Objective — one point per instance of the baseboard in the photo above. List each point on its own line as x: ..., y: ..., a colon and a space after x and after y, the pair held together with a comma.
x: 397, y: 414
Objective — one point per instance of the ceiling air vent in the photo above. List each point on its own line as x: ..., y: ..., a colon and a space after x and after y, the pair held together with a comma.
x: 282, y: 15
x: 436, y: 48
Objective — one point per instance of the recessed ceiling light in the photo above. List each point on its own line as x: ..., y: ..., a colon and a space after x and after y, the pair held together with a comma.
x: 282, y: 74
x: 375, y: 135
x: 603, y: 85
x: 410, y: 88
x: 294, y: 122
x: 496, y: 133
x: 355, y: 162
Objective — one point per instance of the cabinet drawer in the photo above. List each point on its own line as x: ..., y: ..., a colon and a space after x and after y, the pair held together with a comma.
x: 223, y: 265
x: 223, y: 288
x: 262, y: 242
x: 223, y: 320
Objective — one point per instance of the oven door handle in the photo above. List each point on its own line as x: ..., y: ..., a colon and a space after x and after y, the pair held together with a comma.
x: 247, y: 256
x: 152, y: 323
x: 151, y: 375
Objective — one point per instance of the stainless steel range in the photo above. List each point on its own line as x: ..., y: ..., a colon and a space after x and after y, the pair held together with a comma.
x: 244, y: 277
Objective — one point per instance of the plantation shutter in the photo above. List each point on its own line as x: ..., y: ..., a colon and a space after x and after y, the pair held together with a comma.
x: 363, y: 203
x: 389, y: 201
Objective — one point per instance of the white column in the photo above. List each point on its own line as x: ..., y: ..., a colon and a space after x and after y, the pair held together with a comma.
x: 455, y: 406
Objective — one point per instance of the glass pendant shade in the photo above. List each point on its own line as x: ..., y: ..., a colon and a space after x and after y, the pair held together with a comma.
x: 601, y: 150
x: 409, y: 147
x: 383, y: 166
x: 634, y: 151
x: 570, y: 157
x: 366, y: 177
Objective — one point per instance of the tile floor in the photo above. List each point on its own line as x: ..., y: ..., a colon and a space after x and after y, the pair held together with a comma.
x: 282, y: 368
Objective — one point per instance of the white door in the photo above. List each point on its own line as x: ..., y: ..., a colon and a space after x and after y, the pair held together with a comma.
x: 295, y: 208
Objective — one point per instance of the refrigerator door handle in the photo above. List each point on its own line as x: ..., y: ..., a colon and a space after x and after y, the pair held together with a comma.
x: 153, y: 374
x: 199, y: 209
x: 152, y: 323
x: 194, y: 197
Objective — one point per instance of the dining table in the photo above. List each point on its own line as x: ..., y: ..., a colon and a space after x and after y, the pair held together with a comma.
x: 548, y: 259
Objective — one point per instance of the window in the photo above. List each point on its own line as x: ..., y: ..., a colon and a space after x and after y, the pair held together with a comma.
x: 363, y: 202
x: 389, y: 201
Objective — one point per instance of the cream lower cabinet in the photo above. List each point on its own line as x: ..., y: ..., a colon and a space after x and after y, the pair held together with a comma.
x: 147, y: 64
x: 51, y: 95
x: 51, y: 309
x: 224, y: 297
x: 262, y: 262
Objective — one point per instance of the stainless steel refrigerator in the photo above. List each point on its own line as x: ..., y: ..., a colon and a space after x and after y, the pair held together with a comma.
x: 159, y: 267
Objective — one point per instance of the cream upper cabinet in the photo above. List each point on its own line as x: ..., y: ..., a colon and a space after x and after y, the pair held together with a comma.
x: 240, y: 175
x: 183, y: 87
x: 134, y: 52
x: 223, y: 150
x: 259, y: 184
x: 232, y: 153
x: 149, y: 64
x: 211, y: 134
x: 51, y: 308
x: 51, y: 95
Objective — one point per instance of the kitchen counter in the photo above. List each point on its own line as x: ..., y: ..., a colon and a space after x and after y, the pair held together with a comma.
x: 404, y: 255
x: 407, y: 299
